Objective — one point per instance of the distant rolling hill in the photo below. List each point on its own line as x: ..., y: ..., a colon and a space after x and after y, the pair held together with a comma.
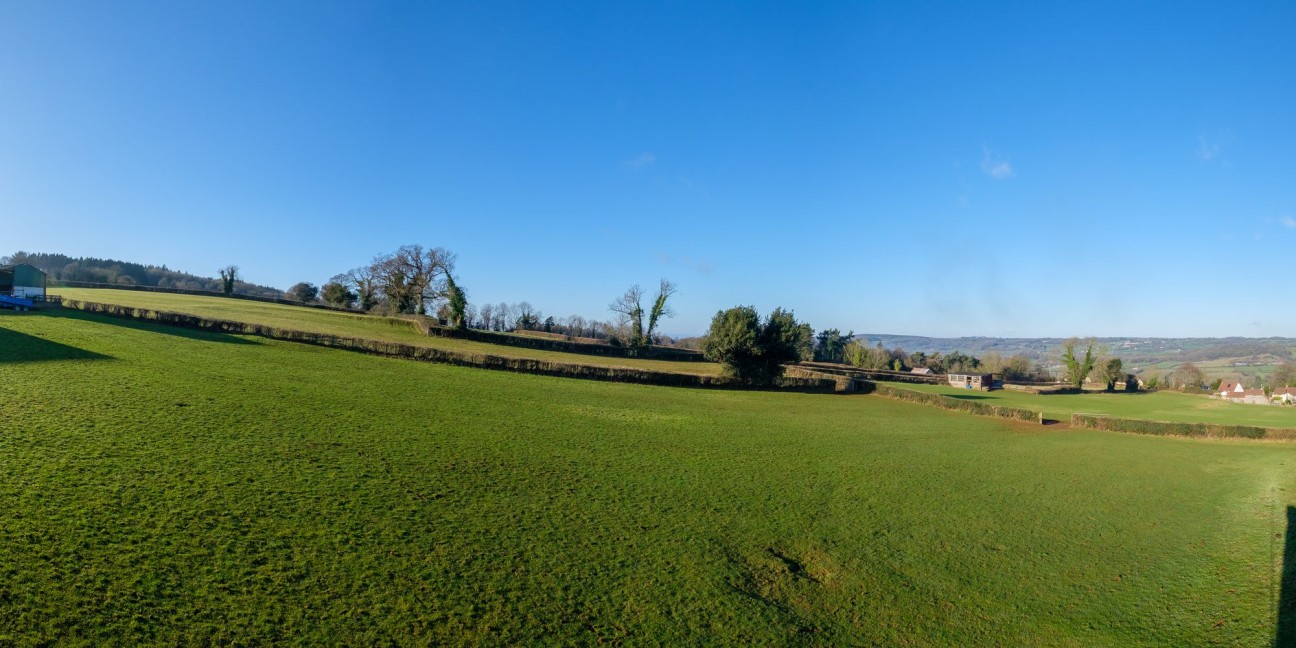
x: 1219, y: 354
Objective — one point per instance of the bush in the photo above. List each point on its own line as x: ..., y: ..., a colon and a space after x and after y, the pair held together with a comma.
x: 1170, y: 428
x: 751, y: 351
x: 959, y: 404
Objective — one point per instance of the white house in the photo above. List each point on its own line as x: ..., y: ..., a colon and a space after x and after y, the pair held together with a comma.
x: 1230, y: 389
x: 1285, y: 394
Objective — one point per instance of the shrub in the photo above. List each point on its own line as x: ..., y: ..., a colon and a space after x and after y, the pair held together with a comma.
x: 1171, y: 428
x: 959, y: 404
x: 751, y: 351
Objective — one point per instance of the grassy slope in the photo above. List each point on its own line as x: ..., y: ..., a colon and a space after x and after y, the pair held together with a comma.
x: 345, y: 324
x: 161, y: 485
x: 1157, y: 406
x: 1212, y: 369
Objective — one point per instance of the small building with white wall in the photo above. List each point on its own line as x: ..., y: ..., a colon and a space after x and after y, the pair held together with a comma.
x: 23, y: 280
x: 979, y: 381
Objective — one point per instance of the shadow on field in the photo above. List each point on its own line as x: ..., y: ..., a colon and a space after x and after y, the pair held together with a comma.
x: 177, y: 331
x: 1286, y: 634
x: 21, y: 347
x: 969, y: 396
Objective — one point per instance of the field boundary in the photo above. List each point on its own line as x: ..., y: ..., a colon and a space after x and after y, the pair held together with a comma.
x: 952, y: 403
x: 442, y: 356
x: 844, y: 384
x: 57, y: 283
x: 872, y: 374
x: 428, y: 326
x: 1172, y: 428
x: 424, y: 325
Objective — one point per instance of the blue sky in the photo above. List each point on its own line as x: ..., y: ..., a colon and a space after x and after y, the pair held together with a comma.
x: 933, y: 169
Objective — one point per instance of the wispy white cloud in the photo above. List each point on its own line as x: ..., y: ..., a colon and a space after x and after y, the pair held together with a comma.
x: 1210, y: 148
x: 1288, y: 221
x: 1206, y: 149
x: 699, y: 266
x: 994, y: 165
x: 640, y: 161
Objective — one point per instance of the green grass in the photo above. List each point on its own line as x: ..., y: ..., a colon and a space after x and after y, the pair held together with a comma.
x: 168, y: 486
x: 354, y: 325
x: 1156, y: 406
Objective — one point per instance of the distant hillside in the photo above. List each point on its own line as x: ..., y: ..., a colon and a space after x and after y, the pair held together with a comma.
x: 61, y: 267
x: 1143, y: 350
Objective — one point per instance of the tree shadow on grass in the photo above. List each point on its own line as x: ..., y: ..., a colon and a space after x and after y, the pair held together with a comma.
x: 151, y: 327
x: 1286, y: 633
x: 20, y: 347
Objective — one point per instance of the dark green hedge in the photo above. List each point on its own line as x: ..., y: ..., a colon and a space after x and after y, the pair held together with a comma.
x: 959, y: 404
x: 199, y: 293
x: 845, y: 384
x: 411, y: 352
x: 1170, y: 428
x: 425, y: 325
x: 873, y: 374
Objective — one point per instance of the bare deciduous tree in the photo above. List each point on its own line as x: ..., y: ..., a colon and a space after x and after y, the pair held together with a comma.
x: 1285, y: 375
x: 364, y: 283
x: 1187, y: 377
x: 629, y: 311
x: 228, y: 275
x: 412, y: 278
x: 629, y: 325
x: 661, y: 308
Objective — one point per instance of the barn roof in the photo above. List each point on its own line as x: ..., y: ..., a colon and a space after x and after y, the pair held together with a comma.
x: 11, y: 266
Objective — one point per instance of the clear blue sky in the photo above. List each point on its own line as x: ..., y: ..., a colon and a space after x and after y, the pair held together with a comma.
x: 968, y: 169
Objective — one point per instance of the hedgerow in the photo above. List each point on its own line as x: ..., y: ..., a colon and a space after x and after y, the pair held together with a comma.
x: 958, y: 404
x: 1170, y: 428
x: 427, y: 354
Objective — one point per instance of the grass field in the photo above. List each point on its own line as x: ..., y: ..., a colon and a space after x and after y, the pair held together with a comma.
x: 1222, y: 369
x: 1156, y: 406
x: 168, y: 486
x: 345, y: 324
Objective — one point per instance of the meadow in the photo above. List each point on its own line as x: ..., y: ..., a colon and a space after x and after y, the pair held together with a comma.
x: 162, y: 485
x: 1156, y: 406
x: 386, y: 329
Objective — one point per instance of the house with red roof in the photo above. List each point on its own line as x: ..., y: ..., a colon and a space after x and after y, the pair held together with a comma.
x: 1251, y: 396
x: 1229, y: 387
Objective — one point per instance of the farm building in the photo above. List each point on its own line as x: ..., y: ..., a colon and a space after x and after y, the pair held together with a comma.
x: 1285, y: 394
x: 1230, y: 387
x: 22, y: 280
x: 1251, y: 396
x: 921, y: 371
x: 984, y: 382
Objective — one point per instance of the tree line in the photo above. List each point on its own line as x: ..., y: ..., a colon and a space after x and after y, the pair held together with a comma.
x: 60, y: 267
x: 421, y: 281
